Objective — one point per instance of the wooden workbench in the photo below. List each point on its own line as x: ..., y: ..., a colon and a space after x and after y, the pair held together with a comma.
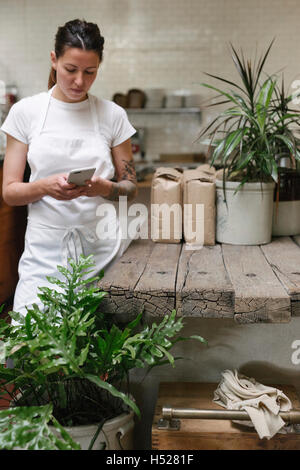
x: 247, y: 283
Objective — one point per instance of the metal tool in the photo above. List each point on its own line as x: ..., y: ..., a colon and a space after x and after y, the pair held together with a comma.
x: 170, y: 414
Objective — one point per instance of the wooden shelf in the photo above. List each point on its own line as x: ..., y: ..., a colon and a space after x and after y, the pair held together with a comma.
x: 163, y: 110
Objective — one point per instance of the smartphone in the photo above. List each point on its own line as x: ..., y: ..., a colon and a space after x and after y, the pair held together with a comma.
x: 80, y: 175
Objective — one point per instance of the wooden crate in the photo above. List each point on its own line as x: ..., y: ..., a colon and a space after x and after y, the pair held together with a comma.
x: 205, y: 434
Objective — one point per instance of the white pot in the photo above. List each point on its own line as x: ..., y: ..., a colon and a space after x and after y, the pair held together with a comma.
x: 247, y: 218
x: 286, y: 218
x: 117, y: 433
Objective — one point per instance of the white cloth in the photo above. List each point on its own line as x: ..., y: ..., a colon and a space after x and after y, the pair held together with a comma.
x: 56, y: 229
x: 262, y: 403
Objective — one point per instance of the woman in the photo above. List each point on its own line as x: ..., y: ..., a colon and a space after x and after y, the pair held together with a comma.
x: 58, y: 131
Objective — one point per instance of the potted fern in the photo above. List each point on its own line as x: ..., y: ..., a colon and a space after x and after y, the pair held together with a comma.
x: 71, y: 365
x: 246, y: 138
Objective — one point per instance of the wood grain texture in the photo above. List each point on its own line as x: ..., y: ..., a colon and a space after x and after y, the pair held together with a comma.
x: 296, y: 239
x: 121, y: 278
x: 203, y: 287
x: 248, y: 283
x: 259, y: 295
x: 205, y: 434
x: 283, y: 255
x: 156, y: 287
x: 294, y: 278
x: 142, y: 280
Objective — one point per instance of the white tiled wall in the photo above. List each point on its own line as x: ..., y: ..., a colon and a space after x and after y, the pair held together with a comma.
x: 151, y: 43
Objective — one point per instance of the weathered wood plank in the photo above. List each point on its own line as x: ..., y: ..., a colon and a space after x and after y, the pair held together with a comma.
x: 296, y: 239
x: 156, y: 287
x: 120, y: 279
x: 296, y: 303
x: 283, y: 255
x: 259, y: 296
x: 296, y: 299
x: 203, y: 287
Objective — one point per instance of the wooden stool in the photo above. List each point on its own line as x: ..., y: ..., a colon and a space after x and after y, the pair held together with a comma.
x: 208, y: 434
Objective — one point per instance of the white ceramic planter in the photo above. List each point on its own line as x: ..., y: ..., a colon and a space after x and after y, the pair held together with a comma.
x: 286, y: 218
x: 247, y: 218
x: 115, y: 431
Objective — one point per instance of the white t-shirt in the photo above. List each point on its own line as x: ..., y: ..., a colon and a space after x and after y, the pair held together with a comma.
x: 67, y: 119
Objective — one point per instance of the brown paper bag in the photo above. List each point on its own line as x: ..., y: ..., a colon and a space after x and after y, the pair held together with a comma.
x: 199, y: 206
x: 206, y: 168
x: 166, y: 206
x: 219, y: 174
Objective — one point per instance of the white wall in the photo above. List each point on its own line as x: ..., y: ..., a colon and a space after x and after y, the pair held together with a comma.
x: 151, y: 43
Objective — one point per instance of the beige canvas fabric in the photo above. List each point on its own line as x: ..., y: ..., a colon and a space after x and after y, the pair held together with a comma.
x: 262, y: 403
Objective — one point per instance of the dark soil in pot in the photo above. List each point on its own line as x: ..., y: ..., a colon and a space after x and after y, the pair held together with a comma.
x: 288, y: 185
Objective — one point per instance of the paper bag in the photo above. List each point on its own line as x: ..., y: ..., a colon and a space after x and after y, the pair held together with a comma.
x: 199, y: 206
x: 166, y: 206
x: 207, y: 169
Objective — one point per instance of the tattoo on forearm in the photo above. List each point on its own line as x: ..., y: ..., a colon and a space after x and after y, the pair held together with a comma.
x: 128, y: 172
x: 127, y: 184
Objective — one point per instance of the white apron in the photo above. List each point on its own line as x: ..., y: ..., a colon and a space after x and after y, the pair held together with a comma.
x: 56, y: 229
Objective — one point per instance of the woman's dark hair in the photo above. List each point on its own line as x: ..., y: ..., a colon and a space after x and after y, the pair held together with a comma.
x: 80, y: 34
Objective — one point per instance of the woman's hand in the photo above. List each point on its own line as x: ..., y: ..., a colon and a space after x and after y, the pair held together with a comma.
x: 126, y: 184
x: 57, y: 187
x: 98, y: 186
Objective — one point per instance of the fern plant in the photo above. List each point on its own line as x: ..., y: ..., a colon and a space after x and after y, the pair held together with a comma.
x: 28, y: 428
x: 70, y: 355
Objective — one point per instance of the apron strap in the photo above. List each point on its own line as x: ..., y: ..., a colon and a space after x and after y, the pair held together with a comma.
x: 44, y: 112
x: 93, y: 108
x: 71, y: 246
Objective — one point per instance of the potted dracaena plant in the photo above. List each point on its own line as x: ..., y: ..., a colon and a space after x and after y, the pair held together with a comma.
x: 69, y: 381
x: 246, y: 138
